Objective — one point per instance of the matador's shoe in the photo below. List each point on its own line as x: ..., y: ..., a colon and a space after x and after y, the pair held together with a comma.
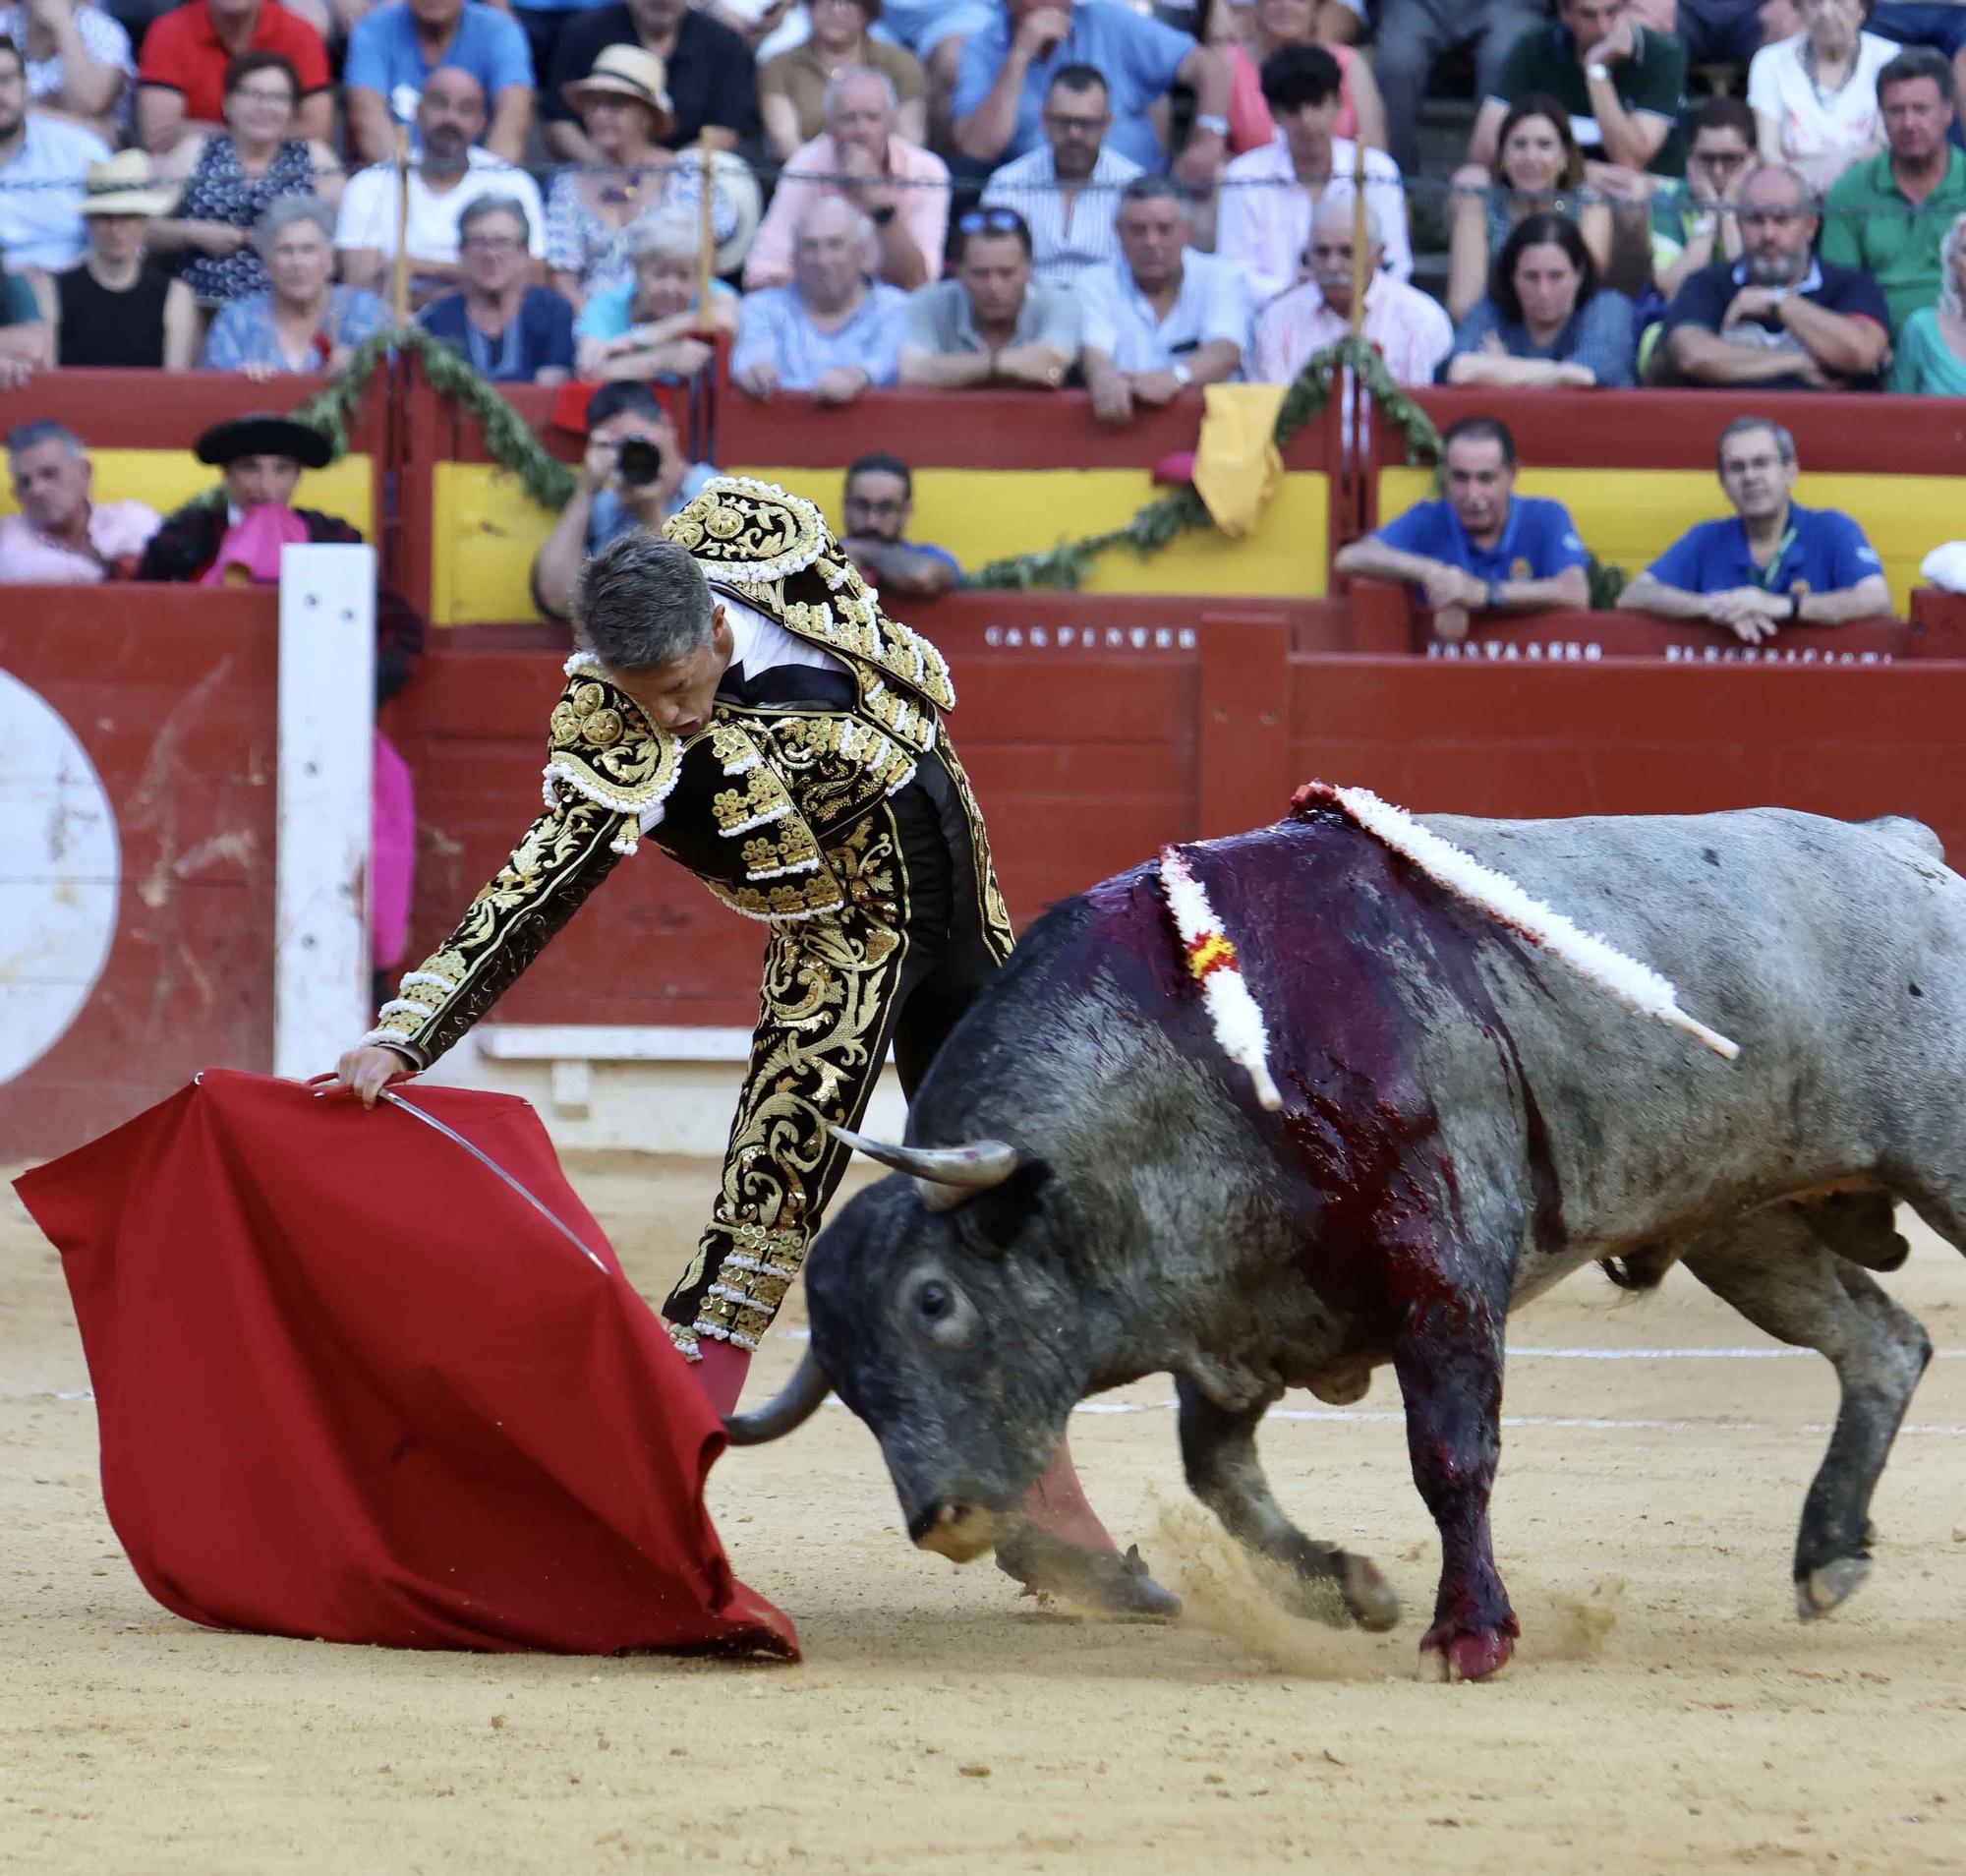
x: 1099, y: 1580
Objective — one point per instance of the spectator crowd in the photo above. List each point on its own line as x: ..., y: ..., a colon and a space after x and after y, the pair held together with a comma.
x: 1132, y: 198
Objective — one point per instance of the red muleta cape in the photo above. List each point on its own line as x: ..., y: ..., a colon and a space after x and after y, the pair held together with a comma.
x: 351, y: 1385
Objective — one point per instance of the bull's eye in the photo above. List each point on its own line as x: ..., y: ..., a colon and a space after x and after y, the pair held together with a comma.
x: 940, y: 1313
x: 935, y: 1301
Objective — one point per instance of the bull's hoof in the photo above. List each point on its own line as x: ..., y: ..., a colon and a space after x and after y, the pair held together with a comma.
x: 1467, y: 1654
x: 1372, y: 1601
x: 1818, y: 1591
x: 1099, y: 1580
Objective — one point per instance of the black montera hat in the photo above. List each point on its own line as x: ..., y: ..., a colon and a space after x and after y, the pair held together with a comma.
x: 261, y: 434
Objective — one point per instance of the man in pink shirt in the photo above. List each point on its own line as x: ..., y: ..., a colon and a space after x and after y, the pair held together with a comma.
x: 62, y: 536
x: 898, y: 186
x: 1412, y: 332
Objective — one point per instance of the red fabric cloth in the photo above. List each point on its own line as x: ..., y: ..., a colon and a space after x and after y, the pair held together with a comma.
x: 352, y: 1385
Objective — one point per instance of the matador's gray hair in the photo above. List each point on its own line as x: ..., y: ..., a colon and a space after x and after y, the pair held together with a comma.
x: 642, y: 603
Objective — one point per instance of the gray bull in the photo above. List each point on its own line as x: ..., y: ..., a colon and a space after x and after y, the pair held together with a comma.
x: 1096, y: 1194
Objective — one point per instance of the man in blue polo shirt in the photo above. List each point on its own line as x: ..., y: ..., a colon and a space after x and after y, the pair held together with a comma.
x: 1485, y: 549
x: 1776, y: 563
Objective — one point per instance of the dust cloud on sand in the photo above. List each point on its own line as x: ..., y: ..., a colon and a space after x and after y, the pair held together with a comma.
x: 1666, y: 1712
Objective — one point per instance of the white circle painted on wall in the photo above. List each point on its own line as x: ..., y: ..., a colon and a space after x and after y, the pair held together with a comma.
x: 60, y: 872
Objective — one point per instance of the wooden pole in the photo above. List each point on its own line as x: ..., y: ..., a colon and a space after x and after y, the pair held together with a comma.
x: 706, y: 234
x: 399, y: 282
x: 1361, y: 247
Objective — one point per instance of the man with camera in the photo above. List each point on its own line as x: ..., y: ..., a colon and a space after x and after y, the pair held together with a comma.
x: 634, y: 475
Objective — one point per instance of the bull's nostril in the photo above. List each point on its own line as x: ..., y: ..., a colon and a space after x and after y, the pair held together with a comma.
x: 923, y: 1522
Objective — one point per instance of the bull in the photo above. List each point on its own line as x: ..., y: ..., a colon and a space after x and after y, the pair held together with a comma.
x: 1091, y: 1192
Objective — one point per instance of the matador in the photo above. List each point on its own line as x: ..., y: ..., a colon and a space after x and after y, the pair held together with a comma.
x: 741, y: 701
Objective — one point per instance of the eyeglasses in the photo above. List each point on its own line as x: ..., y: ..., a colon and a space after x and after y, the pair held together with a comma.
x: 1069, y: 125
x: 251, y: 95
x: 492, y: 244
x: 990, y: 221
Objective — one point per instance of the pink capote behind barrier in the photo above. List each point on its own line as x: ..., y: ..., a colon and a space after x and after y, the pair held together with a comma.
x: 351, y: 1385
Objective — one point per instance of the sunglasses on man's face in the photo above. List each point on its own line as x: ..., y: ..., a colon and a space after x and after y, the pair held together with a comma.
x: 988, y: 221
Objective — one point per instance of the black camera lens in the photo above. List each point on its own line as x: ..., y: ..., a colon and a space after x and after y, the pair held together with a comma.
x: 639, y: 461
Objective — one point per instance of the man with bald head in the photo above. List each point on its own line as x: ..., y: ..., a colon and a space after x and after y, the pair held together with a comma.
x: 1778, y: 319
x: 450, y: 174
x: 902, y: 188
x: 1411, y: 331
x: 832, y: 331
x: 396, y: 50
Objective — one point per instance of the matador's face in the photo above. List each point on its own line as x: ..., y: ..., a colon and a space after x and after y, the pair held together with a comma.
x: 679, y: 697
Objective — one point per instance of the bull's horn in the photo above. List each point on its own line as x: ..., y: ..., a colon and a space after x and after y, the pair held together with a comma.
x: 793, y: 1404
x: 943, y: 1176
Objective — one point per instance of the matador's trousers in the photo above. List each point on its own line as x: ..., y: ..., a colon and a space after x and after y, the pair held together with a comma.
x: 924, y: 928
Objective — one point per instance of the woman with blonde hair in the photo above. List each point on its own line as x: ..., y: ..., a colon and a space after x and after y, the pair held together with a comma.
x: 1538, y: 170
x: 1931, y: 359
x: 651, y: 325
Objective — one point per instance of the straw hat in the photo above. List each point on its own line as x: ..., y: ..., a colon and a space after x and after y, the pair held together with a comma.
x: 124, y: 185
x: 626, y: 71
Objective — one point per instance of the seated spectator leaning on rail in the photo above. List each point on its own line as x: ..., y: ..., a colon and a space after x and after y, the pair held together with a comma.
x: 712, y: 79
x: 1694, y: 222
x: 792, y: 88
x: 1068, y: 192
x: 1538, y: 170
x: 302, y: 322
x: 650, y: 327
x: 1890, y: 215
x: 1623, y: 85
x: 184, y: 70
x: 43, y: 162
x: 624, y: 111
x: 1413, y: 37
x: 78, y: 60
x: 1778, y: 318
x: 1159, y: 317
x: 876, y: 507
x: 511, y: 332
x: 450, y: 173
x: 1274, y: 24
x: 121, y: 306
x: 634, y: 475
x: 1405, y: 328
x: 1546, y: 320
x: 1930, y: 359
x: 832, y: 333
x: 396, y: 51
x: 1485, y: 549
x: 1006, y: 68
x: 900, y: 187
x: 1776, y: 563
x: 1262, y: 225
x: 62, y: 535
x: 1814, y: 95
x: 993, y: 323
x: 230, y: 175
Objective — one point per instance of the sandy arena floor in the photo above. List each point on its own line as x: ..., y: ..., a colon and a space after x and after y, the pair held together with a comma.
x: 1666, y: 1712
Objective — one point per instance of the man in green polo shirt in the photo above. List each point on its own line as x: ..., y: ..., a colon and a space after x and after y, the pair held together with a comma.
x: 1889, y: 215
x: 1623, y: 85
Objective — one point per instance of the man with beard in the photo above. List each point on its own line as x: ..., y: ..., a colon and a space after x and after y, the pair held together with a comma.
x: 1485, y: 549
x: 993, y: 323
x: 1778, y: 318
x: 449, y: 175
x: 1776, y: 563
x: 876, y: 506
x: 742, y: 702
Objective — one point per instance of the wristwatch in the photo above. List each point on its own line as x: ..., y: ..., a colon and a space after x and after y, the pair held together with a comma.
x: 882, y: 215
x: 1599, y: 71
x: 1494, y: 597
x: 1795, y: 609
x: 1180, y: 374
x: 1208, y: 121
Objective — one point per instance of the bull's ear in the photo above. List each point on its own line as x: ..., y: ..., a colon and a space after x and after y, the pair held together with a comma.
x: 991, y: 1222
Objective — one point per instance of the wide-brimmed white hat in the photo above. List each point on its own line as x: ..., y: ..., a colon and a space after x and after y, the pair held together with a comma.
x: 626, y: 71
x: 124, y: 185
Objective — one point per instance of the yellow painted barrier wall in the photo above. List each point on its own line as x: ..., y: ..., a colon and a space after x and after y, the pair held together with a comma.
x: 1628, y: 517
x: 488, y: 532
x: 167, y: 479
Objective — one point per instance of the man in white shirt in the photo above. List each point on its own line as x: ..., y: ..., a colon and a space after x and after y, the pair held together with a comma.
x: 1158, y: 317
x: 1068, y: 192
x: 42, y: 162
x: 1411, y: 331
x: 1263, y: 223
x: 451, y: 174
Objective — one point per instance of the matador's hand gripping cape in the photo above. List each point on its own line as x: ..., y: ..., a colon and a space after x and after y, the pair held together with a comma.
x: 783, y: 811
